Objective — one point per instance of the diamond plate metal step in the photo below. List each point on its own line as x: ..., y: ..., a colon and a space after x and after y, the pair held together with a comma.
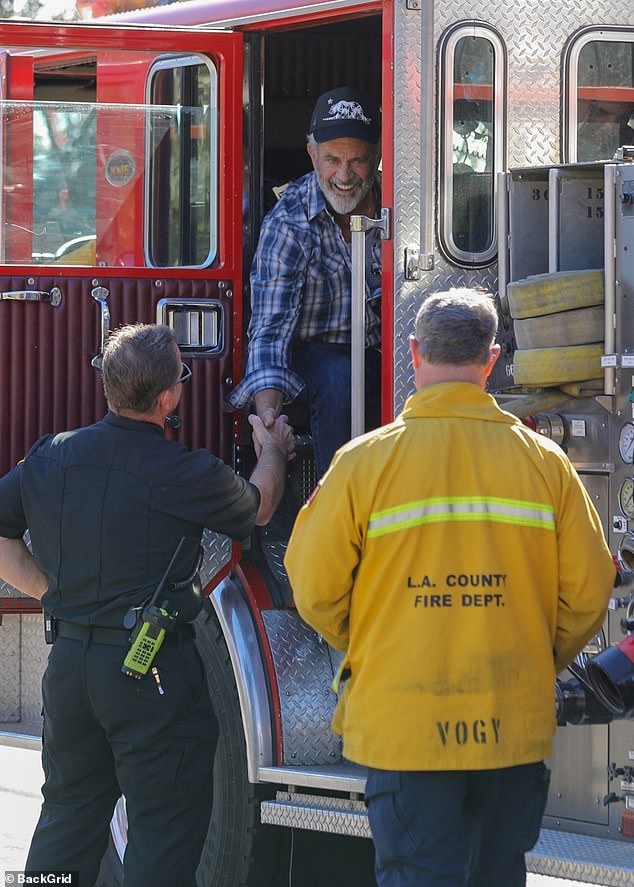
x: 559, y: 854
x: 340, y: 816
x: 583, y: 858
x: 344, y: 777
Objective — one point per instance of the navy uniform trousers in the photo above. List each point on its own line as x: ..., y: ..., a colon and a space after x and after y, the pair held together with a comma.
x: 455, y: 828
x: 106, y: 734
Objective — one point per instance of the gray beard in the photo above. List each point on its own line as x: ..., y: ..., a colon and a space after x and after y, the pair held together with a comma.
x: 339, y: 202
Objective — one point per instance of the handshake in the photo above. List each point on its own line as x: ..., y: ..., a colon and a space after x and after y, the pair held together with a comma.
x: 278, y: 434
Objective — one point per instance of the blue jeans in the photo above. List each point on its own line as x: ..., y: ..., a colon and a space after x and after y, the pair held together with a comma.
x: 455, y: 828
x: 325, y: 370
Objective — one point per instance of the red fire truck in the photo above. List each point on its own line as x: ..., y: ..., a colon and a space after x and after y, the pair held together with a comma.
x: 139, y: 155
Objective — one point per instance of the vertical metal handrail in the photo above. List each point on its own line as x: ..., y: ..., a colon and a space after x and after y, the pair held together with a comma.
x: 609, y: 190
x: 100, y: 295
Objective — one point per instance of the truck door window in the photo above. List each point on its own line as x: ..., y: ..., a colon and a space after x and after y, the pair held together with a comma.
x: 182, y: 150
x: 109, y: 158
x: 473, y: 80
x: 598, y: 94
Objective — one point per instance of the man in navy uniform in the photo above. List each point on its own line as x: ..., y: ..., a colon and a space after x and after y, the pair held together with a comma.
x: 106, y: 507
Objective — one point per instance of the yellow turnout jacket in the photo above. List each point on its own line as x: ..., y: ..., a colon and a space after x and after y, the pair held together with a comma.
x: 456, y: 558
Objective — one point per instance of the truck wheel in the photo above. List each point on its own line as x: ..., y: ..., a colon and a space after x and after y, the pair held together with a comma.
x: 239, y: 850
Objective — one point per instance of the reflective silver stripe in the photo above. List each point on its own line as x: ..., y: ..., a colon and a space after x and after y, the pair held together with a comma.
x: 462, y: 508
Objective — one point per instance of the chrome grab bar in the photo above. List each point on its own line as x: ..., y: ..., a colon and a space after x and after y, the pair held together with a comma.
x: 100, y: 294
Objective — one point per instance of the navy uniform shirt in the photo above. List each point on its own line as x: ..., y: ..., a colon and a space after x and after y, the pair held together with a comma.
x: 106, y: 506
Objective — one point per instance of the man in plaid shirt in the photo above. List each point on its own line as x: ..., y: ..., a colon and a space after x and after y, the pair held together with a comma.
x: 300, y: 328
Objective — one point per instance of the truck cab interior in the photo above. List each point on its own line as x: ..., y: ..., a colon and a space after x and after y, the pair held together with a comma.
x: 289, y: 70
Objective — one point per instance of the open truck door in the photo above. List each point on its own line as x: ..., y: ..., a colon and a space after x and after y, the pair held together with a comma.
x: 121, y: 203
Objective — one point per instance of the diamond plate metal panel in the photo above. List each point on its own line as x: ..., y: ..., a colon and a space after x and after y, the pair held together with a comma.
x: 10, y: 671
x: 33, y: 657
x: 408, y: 172
x: 23, y: 655
x: 8, y: 591
x: 216, y: 553
x: 304, y: 668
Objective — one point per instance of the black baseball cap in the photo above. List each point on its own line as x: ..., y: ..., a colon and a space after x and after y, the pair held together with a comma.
x: 345, y: 113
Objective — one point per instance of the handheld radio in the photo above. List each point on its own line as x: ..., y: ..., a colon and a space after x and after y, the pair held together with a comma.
x: 150, y: 633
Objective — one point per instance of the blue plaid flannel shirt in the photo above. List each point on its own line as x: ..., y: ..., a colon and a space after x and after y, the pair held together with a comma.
x: 300, y: 290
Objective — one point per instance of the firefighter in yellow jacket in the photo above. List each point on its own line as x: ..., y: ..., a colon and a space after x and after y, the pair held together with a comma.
x: 456, y: 559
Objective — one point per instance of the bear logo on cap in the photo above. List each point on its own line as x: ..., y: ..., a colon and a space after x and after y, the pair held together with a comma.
x: 346, y: 110
x: 345, y: 113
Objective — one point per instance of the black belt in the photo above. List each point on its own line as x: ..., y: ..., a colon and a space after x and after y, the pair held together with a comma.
x: 115, y: 637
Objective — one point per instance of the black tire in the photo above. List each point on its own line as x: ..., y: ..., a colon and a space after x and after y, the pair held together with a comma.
x: 239, y: 850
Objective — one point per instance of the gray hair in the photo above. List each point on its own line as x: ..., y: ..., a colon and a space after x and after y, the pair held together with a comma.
x: 313, y: 143
x: 139, y: 361
x: 457, y: 327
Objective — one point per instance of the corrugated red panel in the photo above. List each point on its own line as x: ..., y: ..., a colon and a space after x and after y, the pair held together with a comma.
x: 47, y: 383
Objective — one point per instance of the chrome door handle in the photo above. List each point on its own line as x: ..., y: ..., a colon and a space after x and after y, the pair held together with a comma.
x: 54, y: 297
